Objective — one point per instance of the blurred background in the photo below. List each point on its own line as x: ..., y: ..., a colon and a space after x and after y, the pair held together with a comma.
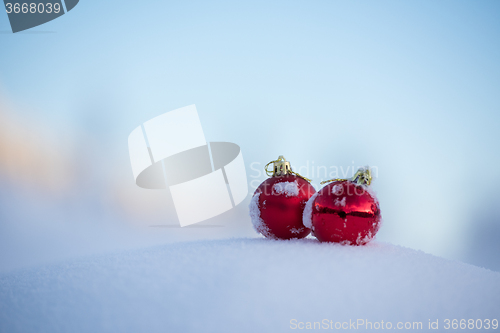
x: 411, y: 88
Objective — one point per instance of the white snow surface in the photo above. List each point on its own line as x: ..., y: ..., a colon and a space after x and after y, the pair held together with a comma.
x: 245, y: 285
x: 290, y: 189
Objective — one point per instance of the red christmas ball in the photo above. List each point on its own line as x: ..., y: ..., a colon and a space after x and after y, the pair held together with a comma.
x: 277, y: 207
x: 343, y: 212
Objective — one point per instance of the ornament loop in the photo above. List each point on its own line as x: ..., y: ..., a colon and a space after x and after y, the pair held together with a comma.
x: 333, y: 180
x: 362, y: 177
x: 298, y: 175
x: 281, y: 167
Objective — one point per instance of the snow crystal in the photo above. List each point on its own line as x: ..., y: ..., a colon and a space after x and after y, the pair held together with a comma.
x: 340, y: 203
x: 307, y: 214
x: 370, y: 191
x: 290, y: 189
x: 337, y: 189
x: 296, y: 230
x: 358, y: 239
x: 366, y: 239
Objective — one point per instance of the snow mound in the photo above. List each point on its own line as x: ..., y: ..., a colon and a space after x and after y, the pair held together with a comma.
x: 257, y: 222
x: 245, y: 285
x: 307, y: 214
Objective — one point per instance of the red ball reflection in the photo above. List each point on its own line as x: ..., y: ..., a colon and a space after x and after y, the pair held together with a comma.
x: 281, y: 204
x: 344, y: 212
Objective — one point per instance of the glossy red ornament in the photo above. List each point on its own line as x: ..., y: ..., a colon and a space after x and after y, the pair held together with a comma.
x: 343, y: 212
x: 277, y: 207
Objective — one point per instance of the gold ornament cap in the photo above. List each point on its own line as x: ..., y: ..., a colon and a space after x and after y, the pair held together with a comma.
x: 363, y: 176
x: 281, y: 167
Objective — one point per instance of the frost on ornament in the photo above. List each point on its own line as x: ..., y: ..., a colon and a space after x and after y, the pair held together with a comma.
x: 340, y: 203
x: 257, y: 222
x: 363, y: 240
x: 296, y: 230
x: 307, y: 215
x: 290, y: 189
x: 337, y: 189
